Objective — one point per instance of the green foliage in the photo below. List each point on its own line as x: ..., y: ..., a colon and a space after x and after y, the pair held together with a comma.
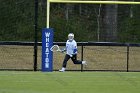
x: 74, y: 24
x: 17, y: 21
x: 130, y: 30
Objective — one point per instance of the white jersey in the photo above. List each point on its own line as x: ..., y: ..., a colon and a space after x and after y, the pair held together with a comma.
x: 71, y: 47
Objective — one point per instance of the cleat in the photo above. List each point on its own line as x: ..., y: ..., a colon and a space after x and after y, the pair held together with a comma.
x: 84, y: 62
x: 62, y: 70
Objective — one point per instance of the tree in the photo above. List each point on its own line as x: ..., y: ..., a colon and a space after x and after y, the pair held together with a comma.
x: 109, y: 23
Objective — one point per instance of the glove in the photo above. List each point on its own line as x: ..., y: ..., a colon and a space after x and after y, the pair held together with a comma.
x: 63, y: 50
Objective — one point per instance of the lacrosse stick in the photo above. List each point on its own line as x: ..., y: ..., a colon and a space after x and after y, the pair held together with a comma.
x: 55, y: 48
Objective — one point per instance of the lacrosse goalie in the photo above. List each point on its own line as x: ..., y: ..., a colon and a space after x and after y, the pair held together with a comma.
x: 71, y: 52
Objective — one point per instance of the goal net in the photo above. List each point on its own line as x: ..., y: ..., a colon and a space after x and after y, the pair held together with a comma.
x: 114, y: 21
x: 97, y: 21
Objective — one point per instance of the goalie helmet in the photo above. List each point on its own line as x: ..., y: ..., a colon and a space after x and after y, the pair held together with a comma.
x: 70, y: 36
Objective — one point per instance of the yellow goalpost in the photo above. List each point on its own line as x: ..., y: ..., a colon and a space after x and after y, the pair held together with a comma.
x: 83, y: 2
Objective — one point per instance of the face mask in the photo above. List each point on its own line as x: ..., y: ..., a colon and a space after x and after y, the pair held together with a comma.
x: 71, y: 36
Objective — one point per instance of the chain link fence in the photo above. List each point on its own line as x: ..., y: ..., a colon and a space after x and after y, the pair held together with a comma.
x: 99, y: 56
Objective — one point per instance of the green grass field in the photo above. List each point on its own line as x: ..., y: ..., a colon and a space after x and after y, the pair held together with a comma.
x: 69, y: 82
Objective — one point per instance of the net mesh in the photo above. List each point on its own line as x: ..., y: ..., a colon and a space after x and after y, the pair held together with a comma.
x: 96, y: 22
x: 103, y: 23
